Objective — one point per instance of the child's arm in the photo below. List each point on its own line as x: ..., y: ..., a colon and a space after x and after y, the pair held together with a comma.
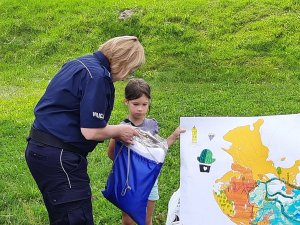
x: 174, y: 136
x: 111, y: 148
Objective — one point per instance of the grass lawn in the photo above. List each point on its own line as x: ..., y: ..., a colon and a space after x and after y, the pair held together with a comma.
x: 204, y: 58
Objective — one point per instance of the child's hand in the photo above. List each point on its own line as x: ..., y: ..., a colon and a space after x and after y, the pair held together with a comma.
x: 174, y: 136
x: 177, y: 132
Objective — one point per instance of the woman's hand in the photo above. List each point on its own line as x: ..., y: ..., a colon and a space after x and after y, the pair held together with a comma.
x: 127, y: 133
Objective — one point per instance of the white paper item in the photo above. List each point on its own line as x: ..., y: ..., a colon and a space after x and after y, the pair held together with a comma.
x: 240, y: 170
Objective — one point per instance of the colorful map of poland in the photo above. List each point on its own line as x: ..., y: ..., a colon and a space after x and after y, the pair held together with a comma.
x: 255, y: 191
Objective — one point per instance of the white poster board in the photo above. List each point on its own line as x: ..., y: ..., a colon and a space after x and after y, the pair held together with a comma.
x: 240, y: 170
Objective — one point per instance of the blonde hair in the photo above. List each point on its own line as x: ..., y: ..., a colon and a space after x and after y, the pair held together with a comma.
x: 125, y: 54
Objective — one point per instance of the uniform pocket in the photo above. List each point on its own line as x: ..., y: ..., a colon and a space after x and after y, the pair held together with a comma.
x: 80, y: 216
x: 69, y: 195
x: 35, y: 153
x: 72, y: 161
x: 37, y: 156
x: 72, y: 206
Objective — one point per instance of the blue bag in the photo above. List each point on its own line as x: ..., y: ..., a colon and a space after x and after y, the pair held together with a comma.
x: 130, y: 181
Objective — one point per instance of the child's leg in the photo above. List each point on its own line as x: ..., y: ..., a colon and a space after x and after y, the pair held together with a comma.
x: 126, y: 219
x: 151, y: 203
x: 150, y: 209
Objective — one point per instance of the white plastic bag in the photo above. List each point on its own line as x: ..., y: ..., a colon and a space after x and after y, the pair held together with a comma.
x: 173, y: 217
x: 150, y: 146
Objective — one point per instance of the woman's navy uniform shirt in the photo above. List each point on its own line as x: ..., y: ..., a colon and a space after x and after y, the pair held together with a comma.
x: 81, y: 95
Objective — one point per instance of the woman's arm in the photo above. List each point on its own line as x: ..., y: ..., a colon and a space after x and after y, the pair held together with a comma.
x: 123, y: 132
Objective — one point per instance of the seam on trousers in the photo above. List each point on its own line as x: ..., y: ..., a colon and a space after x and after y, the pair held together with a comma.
x: 60, y: 159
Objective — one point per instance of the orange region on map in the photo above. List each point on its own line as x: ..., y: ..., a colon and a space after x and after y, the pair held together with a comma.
x: 251, y: 164
x: 237, y: 191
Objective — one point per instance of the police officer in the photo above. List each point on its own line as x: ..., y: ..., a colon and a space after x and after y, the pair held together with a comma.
x: 71, y: 118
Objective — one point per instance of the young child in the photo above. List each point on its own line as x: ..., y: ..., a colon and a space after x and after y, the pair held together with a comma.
x: 137, y: 99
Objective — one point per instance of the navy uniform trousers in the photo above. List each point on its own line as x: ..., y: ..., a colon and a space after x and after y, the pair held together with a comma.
x: 64, y: 183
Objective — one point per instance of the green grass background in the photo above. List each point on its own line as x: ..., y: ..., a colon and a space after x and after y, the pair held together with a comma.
x: 204, y: 58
